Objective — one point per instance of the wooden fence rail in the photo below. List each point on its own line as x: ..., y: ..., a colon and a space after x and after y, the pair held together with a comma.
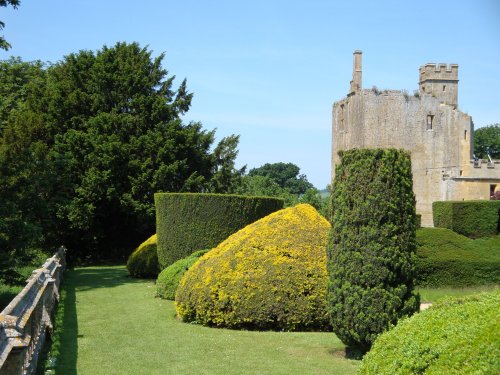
x: 25, y: 321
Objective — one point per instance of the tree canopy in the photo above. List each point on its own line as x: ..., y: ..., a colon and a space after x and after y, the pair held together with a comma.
x: 286, y: 175
x: 88, y: 141
x: 3, y: 3
x: 487, y: 140
x: 283, y: 180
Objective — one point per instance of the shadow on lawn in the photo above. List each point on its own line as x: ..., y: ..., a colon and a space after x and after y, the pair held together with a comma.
x: 77, y: 281
x: 101, y: 277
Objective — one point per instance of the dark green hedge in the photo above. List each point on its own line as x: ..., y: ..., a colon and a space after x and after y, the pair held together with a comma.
x: 187, y: 222
x: 473, y: 219
x: 168, y: 279
x: 446, y: 258
x: 372, y: 245
x: 454, y: 336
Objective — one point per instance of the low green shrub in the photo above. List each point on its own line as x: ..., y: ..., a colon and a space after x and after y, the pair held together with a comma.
x: 454, y: 336
x: 187, y: 222
x: 473, y: 219
x: 168, y: 279
x: 143, y: 262
x: 269, y: 275
x: 446, y: 258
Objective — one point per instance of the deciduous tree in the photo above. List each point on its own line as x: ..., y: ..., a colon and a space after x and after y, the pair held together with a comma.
x: 3, y: 3
x: 487, y: 140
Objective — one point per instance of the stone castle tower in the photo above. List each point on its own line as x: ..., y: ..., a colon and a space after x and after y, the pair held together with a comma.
x: 428, y: 124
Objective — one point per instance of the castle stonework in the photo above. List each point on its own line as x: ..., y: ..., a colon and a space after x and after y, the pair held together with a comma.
x: 428, y: 124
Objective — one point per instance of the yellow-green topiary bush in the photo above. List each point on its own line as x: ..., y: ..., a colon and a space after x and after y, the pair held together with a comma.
x: 143, y: 262
x: 269, y: 275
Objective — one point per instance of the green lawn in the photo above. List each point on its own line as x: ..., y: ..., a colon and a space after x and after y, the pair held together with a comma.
x: 113, y: 325
x: 433, y: 294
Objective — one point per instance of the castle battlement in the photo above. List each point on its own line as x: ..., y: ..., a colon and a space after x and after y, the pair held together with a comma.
x: 431, y: 70
x: 440, y: 81
x: 429, y: 125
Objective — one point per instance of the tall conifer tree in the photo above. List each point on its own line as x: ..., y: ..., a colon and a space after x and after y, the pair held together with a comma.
x: 372, y: 245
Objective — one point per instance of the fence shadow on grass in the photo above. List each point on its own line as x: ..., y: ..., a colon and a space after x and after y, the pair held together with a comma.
x: 68, y: 351
x: 101, y: 277
x: 80, y: 280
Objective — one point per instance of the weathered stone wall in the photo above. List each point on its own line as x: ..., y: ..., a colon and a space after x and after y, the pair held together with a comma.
x: 438, y: 136
x: 25, y: 321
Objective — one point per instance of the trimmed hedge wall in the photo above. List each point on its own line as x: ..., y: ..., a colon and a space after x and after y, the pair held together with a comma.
x: 473, y: 219
x: 269, y: 275
x: 143, y: 262
x: 454, y: 336
x: 446, y: 258
x: 372, y: 245
x: 168, y: 280
x: 187, y: 222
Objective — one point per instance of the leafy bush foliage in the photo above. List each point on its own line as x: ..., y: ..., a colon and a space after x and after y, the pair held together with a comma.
x: 269, y: 275
x: 455, y: 336
x: 86, y: 141
x: 487, y: 141
x: 187, y: 222
x: 372, y: 245
x: 446, y: 258
x: 473, y: 219
x: 143, y: 262
x: 168, y: 279
x: 286, y: 175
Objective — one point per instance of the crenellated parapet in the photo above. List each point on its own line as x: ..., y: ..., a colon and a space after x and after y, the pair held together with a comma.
x: 440, y: 81
x: 428, y: 124
x: 439, y: 71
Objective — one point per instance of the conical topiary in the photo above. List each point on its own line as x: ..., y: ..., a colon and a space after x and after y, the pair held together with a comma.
x: 372, y: 246
x: 269, y: 275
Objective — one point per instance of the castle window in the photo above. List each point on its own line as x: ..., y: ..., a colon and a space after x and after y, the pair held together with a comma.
x: 444, y: 87
x: 430, y: 119
x: 465, y: 134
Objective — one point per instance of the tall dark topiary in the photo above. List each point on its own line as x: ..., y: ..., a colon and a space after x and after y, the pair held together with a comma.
x: 372, y: 245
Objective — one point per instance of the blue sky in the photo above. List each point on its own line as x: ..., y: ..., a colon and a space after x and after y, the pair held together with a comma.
x: 271, y: 70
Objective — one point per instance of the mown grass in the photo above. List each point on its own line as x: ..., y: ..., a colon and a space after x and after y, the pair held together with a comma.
x: 112, y: 324
x: 434, y: 294
x: 109, y: 323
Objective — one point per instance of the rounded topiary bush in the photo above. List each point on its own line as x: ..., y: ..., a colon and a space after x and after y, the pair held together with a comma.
x: 168, y: 279
x: 188, y: 222
x: 455, y: 336
x: 143, y: 262
x: 269, y: 275
x: 446, y: 258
